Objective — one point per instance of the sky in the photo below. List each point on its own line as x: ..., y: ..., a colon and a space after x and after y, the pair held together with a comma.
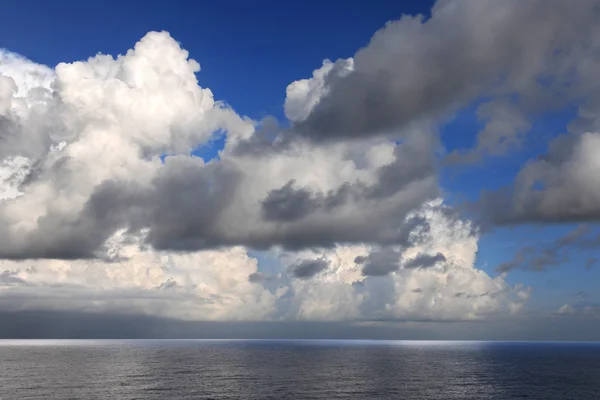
x: 405, y: 169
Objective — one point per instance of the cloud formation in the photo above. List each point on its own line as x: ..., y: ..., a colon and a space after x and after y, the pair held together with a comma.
x: 308, y: 268
x: 418, y: 68
x: 111, y: 212
x: 104, y: 207
x: 560, y: 187
x: 553, y: 255
x: 117, y: 117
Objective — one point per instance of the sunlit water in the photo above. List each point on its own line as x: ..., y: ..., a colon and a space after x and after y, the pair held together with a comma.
x: 297, y: 370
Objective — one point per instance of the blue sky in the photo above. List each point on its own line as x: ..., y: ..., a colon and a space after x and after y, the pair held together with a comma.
x: 250, y: 51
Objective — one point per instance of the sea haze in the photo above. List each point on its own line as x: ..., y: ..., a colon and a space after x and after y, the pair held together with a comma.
x: 297, y: 369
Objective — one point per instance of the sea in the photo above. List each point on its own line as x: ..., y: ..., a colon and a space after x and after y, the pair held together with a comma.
x: 297, y: 369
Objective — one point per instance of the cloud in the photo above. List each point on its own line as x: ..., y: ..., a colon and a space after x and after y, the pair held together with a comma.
x: 422, y: 68
x: 565, y: 309
x: 388, y: 292
x: 308, y: 268
x: 379, y: 262
x: 585, y: 312
x: 210, y: 285
x: 324, y: 284
x: 304, y: 94
x: 505, y: 124
x: 529, y: 258
x: 259, y: 277
x: 104, y: 208
x: 560, y: 187
x: 11, y: 278
x: 288, y: 203
x: 118, y: 116
x: 425, y: 260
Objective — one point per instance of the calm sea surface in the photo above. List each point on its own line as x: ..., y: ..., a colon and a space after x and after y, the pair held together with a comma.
x: 201, y: 369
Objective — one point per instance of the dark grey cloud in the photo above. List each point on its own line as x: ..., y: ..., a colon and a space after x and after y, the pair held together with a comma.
x: 532, y: 259
x: 267, y: 139
x: 517, y: 261
x: 181, y: 206
x: 558, y: 187
x: 414, y: 163
x: 186, y: 203
x: 424, y: 260
x: 417, y: 68
x: 384, y: 261
x: 306, y: 269
x: 380, y: 262
x: 258, y: 277
x: 59, y: 235
x: 289, y: 203
x: 470, y: 295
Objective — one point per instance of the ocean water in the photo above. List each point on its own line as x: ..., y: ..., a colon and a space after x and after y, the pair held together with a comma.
x: 265, y: 369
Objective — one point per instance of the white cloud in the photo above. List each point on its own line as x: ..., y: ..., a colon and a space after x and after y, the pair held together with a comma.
x: 304, y: 94
x: 452, y: 290
x: 565, y: 309
x: 210, y: 285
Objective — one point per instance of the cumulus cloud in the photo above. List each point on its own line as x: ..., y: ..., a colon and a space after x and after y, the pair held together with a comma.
x: 308, y: 268
x: 425, y: 260
x: 562, y: 186
x: 210, y: 285
x: 590, y: 312
x: 104, y: 172
x: 418, y: 68
x: 379, y: 262
x: 324, y: 284
x: 552, y: 255
x: 392, y: 292
x: 104, y: 208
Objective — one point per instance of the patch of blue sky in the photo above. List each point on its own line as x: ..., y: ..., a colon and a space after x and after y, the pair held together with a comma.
x: 500, y: 246
x: 210, y: 151
x: 467, y: 182
x: 268, y: 262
